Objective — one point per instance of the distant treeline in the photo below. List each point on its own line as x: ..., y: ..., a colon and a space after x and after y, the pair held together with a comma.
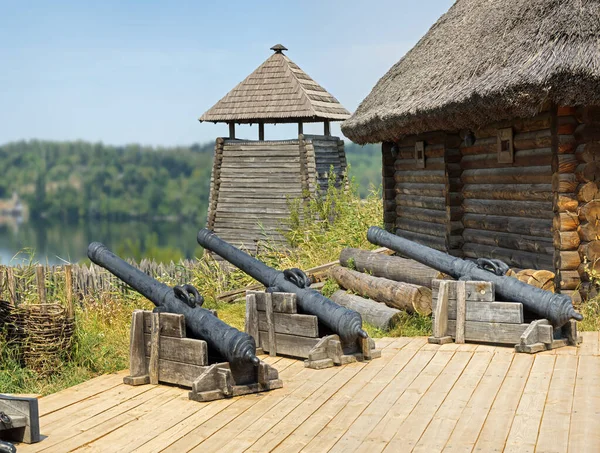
x: 70, y: 180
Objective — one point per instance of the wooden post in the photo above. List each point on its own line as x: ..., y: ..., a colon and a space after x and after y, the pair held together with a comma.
x: 461, y: 311
x: 232, y: 130
x: 11, y: 285
x: 261, y: 131
x: 252, y: 318
x: 69, y: 290
x: 154, y: 349
x: 41, y: 286
x: 326, y: 128
x: 270, y: 324
x: 137, y: 350
x: 300, y: 128
x: 440, y: 326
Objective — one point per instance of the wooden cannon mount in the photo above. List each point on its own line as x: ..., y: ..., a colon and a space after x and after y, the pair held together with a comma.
x: 272, y: 319
x: 161, y: 353
x: 19, y: 419
x: 467, y: 311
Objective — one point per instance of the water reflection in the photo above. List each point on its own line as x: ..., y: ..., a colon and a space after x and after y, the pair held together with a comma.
x: 56, y: 242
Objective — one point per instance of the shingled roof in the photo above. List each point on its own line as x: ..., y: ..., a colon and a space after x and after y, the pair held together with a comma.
x: 485, y: 61
x: 278, y: 91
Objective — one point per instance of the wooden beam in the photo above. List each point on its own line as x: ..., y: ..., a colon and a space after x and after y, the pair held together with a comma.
x: 326, y: 128
x: 261, y: 131
x: 232, y: 130
x: 300, y: 128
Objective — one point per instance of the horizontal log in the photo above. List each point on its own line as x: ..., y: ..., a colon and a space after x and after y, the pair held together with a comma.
x: 418, y: 226
x: 566, y: 240
x: 402, y: 296
x: 567, y: 144
x: 564, y: 202
x: 567, y: 260
x: 588, y: 133
x: 575, y: 296
x: 588, y: 152
x: 415, y: 201
x: 534, y: 209
x: 588, y: 114
x: 565, y: 182
x: 425, y: 190
x: 435, y: 242
x: 515, y: 241
x: 436, y: 163
x: 568, y: 279
x: 565, y: 221
x: 588, y: 191
x: 587, y: 172
x: 590, y: 251
x: 533, y: 139
x: 375, y: 313
x: 566, y: 125
x: 421, y: 176
x: 525, y: 158
x: 539, y: 122
x: 524, y: 192
x: 425, y: 215
x: 590, y: 212
x: 515, y: 175
x: 589, y: 231
x: 530, y: 227
x: 390, y: 267
x: 511, y: 257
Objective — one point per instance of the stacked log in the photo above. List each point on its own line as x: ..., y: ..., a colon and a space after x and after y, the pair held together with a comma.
x: 376, y: 314
x: 566, y: 182
x: 389, y: 267
x: 403, y: 296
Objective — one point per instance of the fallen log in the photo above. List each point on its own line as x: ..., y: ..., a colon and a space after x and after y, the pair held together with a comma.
x: 403, y: 296
x: 390, y: 267
x: 375, y: 313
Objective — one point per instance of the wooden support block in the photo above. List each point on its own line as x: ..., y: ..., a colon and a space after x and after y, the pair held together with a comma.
x: 289, y: 345
x: 365, y: 346
x: 461, y: 314
x: 184, y: 350
x: 171, y: 324
x: 24, y: 413
x: 439, y: 340
x: 252, y: 318
x: 490, y: 332
x: 440, y: 326
x: 475, y: 291
x: 270, y: 325
x: 137, y: 348
x: 282, y: 302
x: 153, y: 371
x: 506, y: 312
x: 291, y: 324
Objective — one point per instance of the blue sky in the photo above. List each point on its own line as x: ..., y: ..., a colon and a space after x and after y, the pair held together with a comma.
x: 144, y: 71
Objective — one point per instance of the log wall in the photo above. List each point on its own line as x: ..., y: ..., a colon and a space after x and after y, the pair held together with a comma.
x: 587, y: 140
x: 508, y: 207
x: 252, y: 182
x: 424, y: 202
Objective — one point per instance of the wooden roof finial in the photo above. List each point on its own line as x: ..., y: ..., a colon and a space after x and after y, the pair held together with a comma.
x: 278, y: 48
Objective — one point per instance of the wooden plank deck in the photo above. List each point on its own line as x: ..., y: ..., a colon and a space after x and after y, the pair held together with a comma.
x: 416, y: 397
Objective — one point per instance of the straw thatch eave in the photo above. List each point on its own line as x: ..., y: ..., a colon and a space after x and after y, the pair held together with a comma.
x: 278, y: 91
x: 485, y: 61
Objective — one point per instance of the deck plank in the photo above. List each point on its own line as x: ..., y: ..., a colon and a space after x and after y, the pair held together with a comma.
x: 584, y: 433
x: 416, y: 397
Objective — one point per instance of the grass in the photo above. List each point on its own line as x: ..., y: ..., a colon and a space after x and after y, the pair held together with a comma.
x: 101, y: 339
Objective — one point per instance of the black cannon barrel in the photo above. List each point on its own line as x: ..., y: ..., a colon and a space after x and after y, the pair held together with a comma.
x: 346, y: 323
x: 556, y: 308
x: 233, y: 345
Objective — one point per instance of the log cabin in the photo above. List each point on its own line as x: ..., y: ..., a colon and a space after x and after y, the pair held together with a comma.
x: 490, y: 133
x: 253, y: 182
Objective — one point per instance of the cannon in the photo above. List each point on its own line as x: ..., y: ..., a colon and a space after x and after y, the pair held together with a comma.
x: 230, y: 343
x: 344, y: 322
x: 556, y: 308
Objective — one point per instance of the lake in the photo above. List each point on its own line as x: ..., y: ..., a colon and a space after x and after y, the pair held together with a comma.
x: 54, y: 242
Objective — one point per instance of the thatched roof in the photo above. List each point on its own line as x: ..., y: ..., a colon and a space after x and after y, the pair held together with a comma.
x: 278, y: 91
x: 485, y: 61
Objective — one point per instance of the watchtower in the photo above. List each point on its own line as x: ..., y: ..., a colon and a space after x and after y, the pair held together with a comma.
x: 253, y: 181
